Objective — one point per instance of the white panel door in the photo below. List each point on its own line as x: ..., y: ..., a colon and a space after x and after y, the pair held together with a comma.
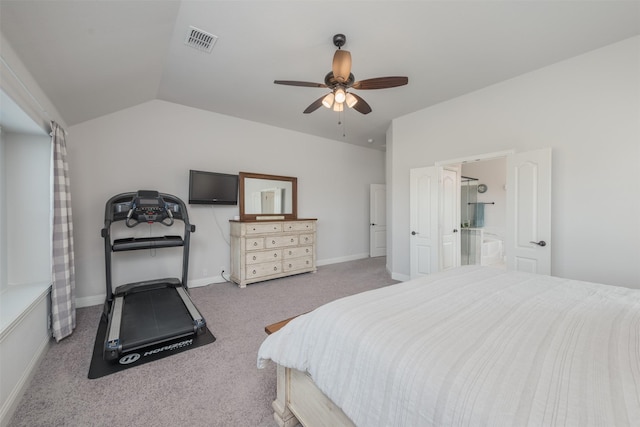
x: 450, y: 221
x: 423, y: 220
x: 528, y: 240
x: 378, y: 220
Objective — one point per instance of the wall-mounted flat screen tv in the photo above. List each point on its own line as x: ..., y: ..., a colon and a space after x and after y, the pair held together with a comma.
x: 212, y: 188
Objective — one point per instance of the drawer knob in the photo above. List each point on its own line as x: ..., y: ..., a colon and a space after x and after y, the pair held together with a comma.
x: 255, y: 243
x: 275, y: 268
x: 275, y: 255
x: 273, y: 242
x: 291, y: 240
x: 307, y: 262
x: 289, y: 265
x: 254, y: 257
x: 254, y: 272
x: 290, y: 253
x: 307, y: 250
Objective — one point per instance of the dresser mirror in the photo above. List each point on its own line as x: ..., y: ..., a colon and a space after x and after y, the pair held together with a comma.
x: 265, y: 197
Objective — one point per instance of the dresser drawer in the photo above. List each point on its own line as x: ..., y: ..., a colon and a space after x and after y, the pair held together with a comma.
x: 263, y: 256
x: 281, y: 241
x: 264, y: 269
x: 306, y: 239
x: 264, y: 228
x: 297, y: 264
x: 298, y: 252
x: 298, y: 226
x: 255, y: 243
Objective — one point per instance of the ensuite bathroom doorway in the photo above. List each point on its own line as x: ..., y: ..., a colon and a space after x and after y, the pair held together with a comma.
x: 483, y: 222
x: 518, y: 234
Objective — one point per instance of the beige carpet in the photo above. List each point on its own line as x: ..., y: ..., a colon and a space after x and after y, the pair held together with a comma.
x: 214, y: 385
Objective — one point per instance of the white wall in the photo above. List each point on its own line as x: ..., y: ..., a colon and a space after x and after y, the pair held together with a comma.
x: 3, y: 218
x: 587, y: 109
x: 18, y: 83
x: 153, y: 146
x: 28, y: 203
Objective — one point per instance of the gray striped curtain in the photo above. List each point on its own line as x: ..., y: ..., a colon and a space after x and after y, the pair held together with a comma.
x: 63, y: 299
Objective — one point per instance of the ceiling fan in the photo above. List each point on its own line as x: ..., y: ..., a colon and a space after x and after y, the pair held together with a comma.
x: 340, y: 80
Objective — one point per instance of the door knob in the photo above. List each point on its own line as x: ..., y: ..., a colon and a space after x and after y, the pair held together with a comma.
x: 540, y: 243
x: 413, y: 233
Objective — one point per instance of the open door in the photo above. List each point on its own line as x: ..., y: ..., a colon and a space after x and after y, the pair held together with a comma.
x: 528, y: 228
x: 378, y: 220
x: 528, y: 239
x: 450, y: 218
x: 423, y: 220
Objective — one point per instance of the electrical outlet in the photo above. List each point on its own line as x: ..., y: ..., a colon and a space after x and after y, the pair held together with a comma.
x: 222, y: 269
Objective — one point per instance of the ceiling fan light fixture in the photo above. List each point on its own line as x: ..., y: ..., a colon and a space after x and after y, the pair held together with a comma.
x: 328, y: 100
x: 338, y: 107
x: 340, y: 95
x: 351, y: 100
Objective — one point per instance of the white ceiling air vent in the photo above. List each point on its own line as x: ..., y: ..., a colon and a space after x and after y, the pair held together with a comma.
x: 200, y: 40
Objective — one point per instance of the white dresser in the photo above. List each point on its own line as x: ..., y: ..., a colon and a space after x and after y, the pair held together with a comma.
x: 263, y: 250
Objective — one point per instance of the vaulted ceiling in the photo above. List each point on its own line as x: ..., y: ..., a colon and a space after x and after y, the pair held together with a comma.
x: 96, y: 57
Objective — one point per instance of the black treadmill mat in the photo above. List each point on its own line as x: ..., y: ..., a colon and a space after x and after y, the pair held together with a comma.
x: 100, y: 367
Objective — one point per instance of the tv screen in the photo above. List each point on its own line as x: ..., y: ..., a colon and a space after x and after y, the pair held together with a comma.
x: 212, y: 188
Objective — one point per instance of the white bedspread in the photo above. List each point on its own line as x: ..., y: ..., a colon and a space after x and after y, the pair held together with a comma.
x: 474, y: 346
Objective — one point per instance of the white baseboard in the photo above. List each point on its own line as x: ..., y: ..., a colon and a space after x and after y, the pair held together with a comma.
x: 400, y: 277
x: 204, y: 281
x: 99, y: 299
x: 342, y: 259
x: 197, y: 283
x: 90, y: 301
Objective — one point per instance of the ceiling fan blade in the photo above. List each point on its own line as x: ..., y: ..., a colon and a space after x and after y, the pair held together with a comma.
x: 315, y: 105
x: 361, y: 106
x: 381, y: 83
x: 297, y: 83
x: 341, y: 66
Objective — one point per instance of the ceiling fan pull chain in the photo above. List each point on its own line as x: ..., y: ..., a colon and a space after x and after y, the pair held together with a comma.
x: 341, y: 122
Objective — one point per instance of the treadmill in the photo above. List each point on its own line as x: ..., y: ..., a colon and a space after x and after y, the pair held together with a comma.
x: 150, y: 316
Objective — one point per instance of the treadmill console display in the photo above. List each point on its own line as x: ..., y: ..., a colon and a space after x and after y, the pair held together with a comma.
x: 149, y: 208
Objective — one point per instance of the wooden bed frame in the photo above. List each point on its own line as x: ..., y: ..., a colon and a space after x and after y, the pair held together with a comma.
x: 298, y: 400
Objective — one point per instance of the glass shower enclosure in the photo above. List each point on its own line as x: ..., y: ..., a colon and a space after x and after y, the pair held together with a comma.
x: 471, y: 233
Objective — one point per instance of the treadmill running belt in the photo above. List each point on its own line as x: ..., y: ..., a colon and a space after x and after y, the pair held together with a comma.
x: 153, y: 316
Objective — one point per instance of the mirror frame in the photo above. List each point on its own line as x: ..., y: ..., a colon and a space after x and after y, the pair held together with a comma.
x: 265, y: 217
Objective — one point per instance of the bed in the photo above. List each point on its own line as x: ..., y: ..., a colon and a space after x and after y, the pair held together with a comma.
x: 466, y: 347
